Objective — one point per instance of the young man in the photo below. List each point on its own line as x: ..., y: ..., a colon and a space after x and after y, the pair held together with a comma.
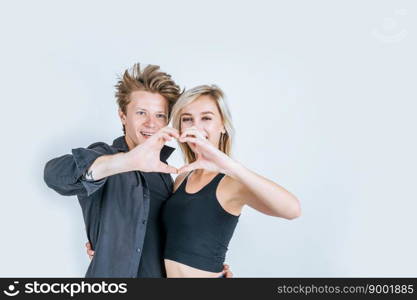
x: 121, y: 187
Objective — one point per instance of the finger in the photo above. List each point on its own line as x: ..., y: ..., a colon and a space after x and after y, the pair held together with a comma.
x: 225, y: 267
x: 228, y: 274
x: 88, y: 245
x: 192, y: 131
x: 171, y: 131
x: 162, y: 138
x: 190, y: 140
x: 189, y: 167
x: 165, y: 168
x: 165, y: 134
x: 166, y: 137
x: 90, y: 253
x: 187, y: 131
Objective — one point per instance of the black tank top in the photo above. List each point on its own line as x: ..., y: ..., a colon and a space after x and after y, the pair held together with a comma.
x: 198, y: 229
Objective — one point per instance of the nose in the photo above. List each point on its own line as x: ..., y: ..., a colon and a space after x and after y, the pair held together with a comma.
x: 151, y: 121
x: 198, y: 125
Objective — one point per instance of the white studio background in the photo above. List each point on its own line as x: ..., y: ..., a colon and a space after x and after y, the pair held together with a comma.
x: 323, y: 96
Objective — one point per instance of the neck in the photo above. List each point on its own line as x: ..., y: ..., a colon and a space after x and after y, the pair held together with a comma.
x: 203, y: 173
x: 130, y: 143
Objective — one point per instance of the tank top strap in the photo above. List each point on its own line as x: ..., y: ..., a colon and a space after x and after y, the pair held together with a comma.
x: 209, y: 187
x: 212, y: 186
x: 217, y: 179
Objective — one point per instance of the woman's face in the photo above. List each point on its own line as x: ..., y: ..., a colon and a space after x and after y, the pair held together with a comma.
x: 204, y: 115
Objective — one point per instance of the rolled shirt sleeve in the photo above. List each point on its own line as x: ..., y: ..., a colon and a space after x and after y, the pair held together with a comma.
x: 65, y: 174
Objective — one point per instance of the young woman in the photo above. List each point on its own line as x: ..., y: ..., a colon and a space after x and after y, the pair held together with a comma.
x: 212, y: 188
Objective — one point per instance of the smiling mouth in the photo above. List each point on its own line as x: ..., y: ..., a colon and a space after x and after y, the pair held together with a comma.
x: 146, y: 134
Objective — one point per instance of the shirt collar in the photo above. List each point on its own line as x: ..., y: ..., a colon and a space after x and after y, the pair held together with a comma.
x: 121, y: 145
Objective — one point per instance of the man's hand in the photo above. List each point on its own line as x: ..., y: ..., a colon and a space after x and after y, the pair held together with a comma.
x: 146, y: 156
x: 227, y: 272
x: 90, y: 251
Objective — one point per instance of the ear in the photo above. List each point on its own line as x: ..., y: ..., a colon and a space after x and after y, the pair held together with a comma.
x: 122, y: 116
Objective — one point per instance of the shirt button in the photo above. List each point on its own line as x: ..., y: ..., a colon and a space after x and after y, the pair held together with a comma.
x: 138, y: 250
x: 144, y: 222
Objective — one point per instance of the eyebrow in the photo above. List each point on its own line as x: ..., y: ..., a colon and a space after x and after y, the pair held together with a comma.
x: 203, y: 113
x: 159, y: 111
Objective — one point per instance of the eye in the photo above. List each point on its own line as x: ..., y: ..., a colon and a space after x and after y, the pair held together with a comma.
x: 140, y: 113
x: 186, y: 119
x: 161, y: 116
x: 206, y: 118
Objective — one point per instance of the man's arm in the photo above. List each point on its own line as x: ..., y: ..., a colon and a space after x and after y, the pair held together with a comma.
x: 86, y: 170
x: 107, y: 165
x: 65, y: 174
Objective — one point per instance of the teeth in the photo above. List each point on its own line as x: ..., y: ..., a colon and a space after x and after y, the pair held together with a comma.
x: 146, y: 133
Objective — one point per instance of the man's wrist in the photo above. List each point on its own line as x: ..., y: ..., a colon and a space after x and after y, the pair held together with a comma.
x: 107, y: 165
x: 120, y: 163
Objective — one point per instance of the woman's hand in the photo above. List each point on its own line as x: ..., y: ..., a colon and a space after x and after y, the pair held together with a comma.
x: 227, y: 273
x: 90, y: 251
x: 208, y: 156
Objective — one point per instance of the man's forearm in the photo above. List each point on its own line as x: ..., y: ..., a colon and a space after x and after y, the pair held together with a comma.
x: 107, y: 165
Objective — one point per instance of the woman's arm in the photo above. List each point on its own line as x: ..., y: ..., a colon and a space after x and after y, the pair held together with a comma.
x: 252, y: 189
x: 263, y: 194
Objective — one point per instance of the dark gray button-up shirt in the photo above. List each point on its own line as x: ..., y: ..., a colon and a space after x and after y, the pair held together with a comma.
x: 115, y: 208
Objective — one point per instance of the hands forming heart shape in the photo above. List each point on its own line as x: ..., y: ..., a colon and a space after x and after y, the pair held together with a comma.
x: 146, y: 156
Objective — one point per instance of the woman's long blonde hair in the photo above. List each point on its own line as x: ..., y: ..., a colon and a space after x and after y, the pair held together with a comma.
x: 189, y: 96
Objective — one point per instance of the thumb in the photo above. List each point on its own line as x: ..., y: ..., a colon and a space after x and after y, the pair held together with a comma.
x: 165, y: 168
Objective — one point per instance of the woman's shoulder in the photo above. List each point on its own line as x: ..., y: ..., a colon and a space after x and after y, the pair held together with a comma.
x: 230, y: 186
x: 229, y: 195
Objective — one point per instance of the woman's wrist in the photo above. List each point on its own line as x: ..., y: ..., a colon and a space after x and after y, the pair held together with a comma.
x: 234, y: 169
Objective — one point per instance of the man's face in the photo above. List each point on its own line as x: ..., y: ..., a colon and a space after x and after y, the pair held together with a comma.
x: 145, y: 114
